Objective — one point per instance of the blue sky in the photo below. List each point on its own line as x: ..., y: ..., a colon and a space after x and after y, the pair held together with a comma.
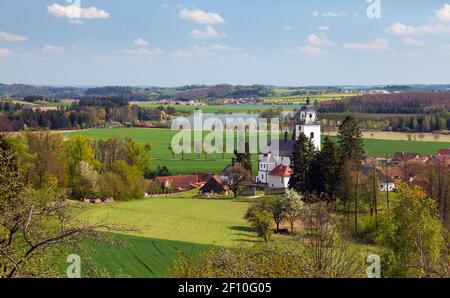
x: 171, y: 43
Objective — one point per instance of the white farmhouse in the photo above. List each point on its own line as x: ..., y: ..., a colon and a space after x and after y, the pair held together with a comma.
x: 274, y: 162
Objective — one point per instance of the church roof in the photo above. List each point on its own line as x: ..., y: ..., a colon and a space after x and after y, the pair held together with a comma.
x: 281, y: 171
x: 308, y: 106
x: 284, y: 149
x: 268, y: 158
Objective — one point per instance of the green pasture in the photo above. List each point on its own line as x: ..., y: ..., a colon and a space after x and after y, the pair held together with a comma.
x: 214, y: 109
x: 160, y: 229
x: 160, y: 139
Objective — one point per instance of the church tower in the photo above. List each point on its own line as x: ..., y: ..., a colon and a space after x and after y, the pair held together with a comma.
x: 309, y: 124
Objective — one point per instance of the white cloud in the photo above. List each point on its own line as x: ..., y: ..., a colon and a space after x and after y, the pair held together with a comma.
x: 324, y: 28
x: 445, y: 49
x: 288, y: 28
x: 214, y: 50
x: 319, y: 40
x: 208, y: 32
x: 201, y: 17
x: 142, y: 53
x: 51, y: 49
x: 312, y: 50
x: 75, y: 12
x: 5, y: 36
x: 380, y: 44
x: 409, y: 41
x: 331, y: 14
x: 140, y: 42
x: 5, y: 52
x: 402, y: 29
x: 443, y: 14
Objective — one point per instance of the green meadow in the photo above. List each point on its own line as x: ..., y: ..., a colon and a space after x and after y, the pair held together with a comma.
x: 296, y: 99
x: 214, y: 109
x: 160, y: 139
x: 166, y: 228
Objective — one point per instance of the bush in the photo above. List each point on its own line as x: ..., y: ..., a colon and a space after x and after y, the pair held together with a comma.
x: 261, y: 221
x: 413, y: 237
x: 367, y: 229
x: 242, y: 263
x: 124, y: 182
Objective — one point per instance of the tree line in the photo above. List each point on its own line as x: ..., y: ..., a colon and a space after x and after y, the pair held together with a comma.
x: 89, y: 113
x: 81, y: 167
x: 398, y: 123
x: 36, y: 222
x: 397, y: 103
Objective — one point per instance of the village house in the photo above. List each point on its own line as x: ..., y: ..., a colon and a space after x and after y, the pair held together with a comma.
x: 215, y: 185
x: 387, y: 182
x: 178, y: 183
x: 400, y: 157
x: 444, y: 152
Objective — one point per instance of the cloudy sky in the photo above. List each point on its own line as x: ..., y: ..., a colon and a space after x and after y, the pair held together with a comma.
x: 170, y: 43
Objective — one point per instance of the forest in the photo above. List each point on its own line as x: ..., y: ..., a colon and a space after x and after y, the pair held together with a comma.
x: 89, y: 113
x: 397, y: 103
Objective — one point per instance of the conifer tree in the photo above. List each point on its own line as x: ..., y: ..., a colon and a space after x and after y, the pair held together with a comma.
x: 330, y: 158
x: 350, y: 140
x: 302, y: 158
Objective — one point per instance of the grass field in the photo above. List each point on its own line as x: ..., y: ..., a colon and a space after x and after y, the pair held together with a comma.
x: 167, y: 226
x: 215, y: 109
x: 137, y: 257
x: 160, y: 140
x: 295, y: 99
x: 217, y: 222
x: 170, y: 227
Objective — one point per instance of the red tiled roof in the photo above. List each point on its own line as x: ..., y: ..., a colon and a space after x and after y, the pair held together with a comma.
x: 405, y: 156
x: 281, y: 171
x: 203, y: 177
x: 182, y: 182
x: 392, y: 172
x: 214, y: 181
x: 444, y: 152
x: 198, y: 185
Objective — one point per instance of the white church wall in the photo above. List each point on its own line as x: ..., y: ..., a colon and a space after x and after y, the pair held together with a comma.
x: 278, y: 182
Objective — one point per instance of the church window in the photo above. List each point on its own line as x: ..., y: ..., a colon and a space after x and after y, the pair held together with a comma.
x: 312, y: 135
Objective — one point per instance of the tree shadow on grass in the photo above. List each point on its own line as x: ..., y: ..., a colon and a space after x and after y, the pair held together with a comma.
x: 242, y: 229
x: 241, y: 240
x: 247, y: 233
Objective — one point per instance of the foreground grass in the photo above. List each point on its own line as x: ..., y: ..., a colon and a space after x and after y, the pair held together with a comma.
x: 138, y: 257
x: 172, y: 226
x: 166, y: 227
x: 218, y: 222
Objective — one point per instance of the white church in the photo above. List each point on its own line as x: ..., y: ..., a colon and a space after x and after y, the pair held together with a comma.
x: 274, y: 169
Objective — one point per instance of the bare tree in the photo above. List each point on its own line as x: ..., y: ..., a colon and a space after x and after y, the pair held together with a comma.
x: 328, y: 256
x: 238, y: 175
x: 36, y: 226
